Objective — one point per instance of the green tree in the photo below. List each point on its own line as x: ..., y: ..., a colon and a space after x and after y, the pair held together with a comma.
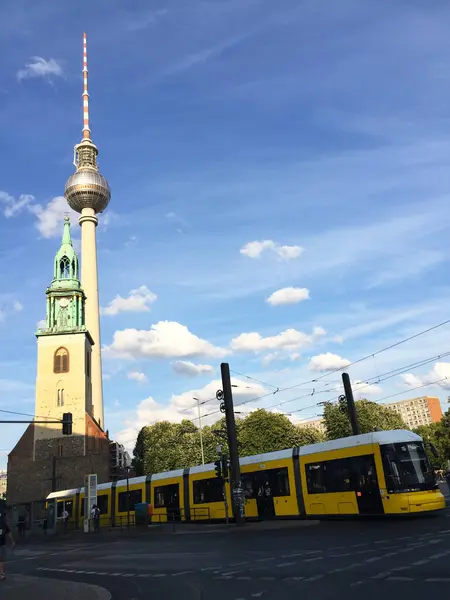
x: 307, y: 435
x: 262, y: 431
x: 165, y: 446
x: 139, y: 452
x: 371, y: 416
x: 432, y: 436
x: 443, y: 436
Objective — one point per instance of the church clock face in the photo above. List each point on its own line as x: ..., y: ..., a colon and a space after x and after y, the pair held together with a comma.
x: 63, y: 302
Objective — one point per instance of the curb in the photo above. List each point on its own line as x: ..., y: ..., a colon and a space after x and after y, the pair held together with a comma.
x: 43, y: 587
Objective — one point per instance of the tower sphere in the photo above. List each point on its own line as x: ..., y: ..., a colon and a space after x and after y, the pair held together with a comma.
x: 87, y: 189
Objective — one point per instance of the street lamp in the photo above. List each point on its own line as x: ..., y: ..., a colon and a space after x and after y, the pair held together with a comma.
x: 200, y: 429
x: 127, y: 468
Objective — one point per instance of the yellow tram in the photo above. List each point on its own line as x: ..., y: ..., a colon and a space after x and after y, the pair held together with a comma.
x: 379, y: 473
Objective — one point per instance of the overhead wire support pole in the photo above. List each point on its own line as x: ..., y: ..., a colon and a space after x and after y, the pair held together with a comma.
x: 351, y: 404
x: 237, y: 493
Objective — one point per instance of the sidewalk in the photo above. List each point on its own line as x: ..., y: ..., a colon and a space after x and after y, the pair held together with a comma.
x: 21, y: 587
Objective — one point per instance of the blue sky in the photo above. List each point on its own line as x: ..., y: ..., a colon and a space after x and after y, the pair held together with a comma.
x: 322, y: 133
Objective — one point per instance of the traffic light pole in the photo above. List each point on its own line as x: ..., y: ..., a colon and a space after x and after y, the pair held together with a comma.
x: 237, y: 495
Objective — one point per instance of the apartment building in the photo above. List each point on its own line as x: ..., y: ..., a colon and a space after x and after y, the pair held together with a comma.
x: 317, y: 424
x: 418, y: 411
x: 3, y: 483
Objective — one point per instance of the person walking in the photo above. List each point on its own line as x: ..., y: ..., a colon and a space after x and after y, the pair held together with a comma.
x: 96, y: 519
x: 65, y: 520
x: 5, y: 533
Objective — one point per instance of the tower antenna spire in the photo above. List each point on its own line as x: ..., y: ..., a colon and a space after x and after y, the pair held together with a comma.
x: 86, y: 130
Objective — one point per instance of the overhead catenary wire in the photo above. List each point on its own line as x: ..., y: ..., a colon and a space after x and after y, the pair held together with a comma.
x: 12, y: 412
x: 338, y: 370
x: 275, y: 387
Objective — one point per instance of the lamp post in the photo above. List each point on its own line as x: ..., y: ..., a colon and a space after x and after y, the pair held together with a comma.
x: 127, y: 468
x: 200, y: 429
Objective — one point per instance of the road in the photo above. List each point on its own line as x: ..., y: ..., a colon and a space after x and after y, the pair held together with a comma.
x: 328, y: 560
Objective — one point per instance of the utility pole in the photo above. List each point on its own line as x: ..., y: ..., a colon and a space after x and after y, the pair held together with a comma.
x: 351, y: 404
x: 237, y: 495
x: 200, y: 429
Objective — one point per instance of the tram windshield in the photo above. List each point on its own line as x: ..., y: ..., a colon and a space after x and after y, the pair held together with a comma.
x: 407, y: 468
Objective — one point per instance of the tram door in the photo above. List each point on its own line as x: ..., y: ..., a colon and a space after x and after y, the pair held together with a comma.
x: 168, y: 496
x: 264, y: 495
x: 367, y: 488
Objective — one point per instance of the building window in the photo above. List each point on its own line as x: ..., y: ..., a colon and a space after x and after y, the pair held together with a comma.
x: 60, y: 449
x: 61, y: 361
x: 208, y: 490
x: 59, y: 484
x: 88, y: 364
x: 60, y: 397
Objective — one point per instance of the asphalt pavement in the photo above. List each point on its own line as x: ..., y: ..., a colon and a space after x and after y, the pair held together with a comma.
x: 330, y: 559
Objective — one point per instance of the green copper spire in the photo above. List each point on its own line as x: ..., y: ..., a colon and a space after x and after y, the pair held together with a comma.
x: 65, y: 296
x: 66, y: 267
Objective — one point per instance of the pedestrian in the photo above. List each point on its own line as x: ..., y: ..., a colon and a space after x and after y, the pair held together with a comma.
x: 97, y: 519
x: 5, y: 533
x: 65, y: 519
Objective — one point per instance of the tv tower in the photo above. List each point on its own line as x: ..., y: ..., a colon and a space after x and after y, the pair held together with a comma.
x: 87, y: 192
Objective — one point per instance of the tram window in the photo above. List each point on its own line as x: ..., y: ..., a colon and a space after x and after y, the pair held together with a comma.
x: 135, y: 498
x: 315, y: 478
x: 278, y: 482
x: 166, y: 496
x: 208, y: 490
x: 67, y: 504
x: 339, y: 475
x: 102, y: 503
x: 248, y: 485
x: 406, y: 468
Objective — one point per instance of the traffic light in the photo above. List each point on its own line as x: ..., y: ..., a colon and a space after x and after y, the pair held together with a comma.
x: 67, y: 424
x: 218, y: 466
x: 225, y: 467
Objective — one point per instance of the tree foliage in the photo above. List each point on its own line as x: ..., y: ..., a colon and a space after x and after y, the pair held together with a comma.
x: 438, y: 436
x: 371, y: 416
x: 165, y: 446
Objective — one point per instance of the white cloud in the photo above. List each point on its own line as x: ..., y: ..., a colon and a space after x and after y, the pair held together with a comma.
x: 327, y: 362
x: 255, y: 249
x: 183, y: 406
x: 185, y: 367
x: 50, y: 217
x: 136, y: 376
x: 13, y: 206
x: 138, y: 300
x: 39, y: 67
x: 440, y: 371
x: 290, y: 339
x: 17, y: 306
x: 288, y: 295
x: 165, y: 339
x: 42, y: 324
x: 361, y: 389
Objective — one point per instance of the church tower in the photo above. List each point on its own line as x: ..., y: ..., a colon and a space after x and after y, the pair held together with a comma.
x: 63, y: 381
x: 87, y: 192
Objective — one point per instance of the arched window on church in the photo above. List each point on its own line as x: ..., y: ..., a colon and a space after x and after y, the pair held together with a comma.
x: 64, y: 268
x: 61, y: 361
